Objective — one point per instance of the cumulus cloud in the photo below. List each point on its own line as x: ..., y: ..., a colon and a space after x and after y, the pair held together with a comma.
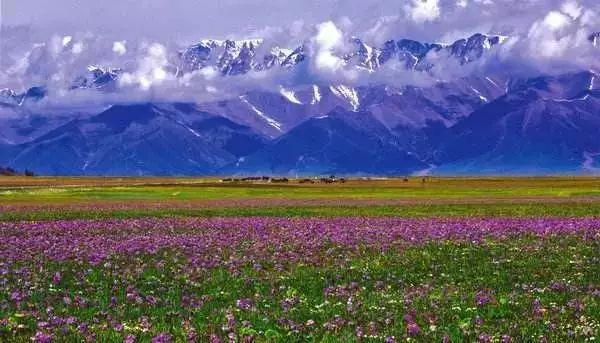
x: 554, y: 21
x: 327, y: 40
x: 462, y: 3
x: 561, y: 37
x: 77, y: 48
x: 151, y: 69
x: 571, y: 8
x: 66, y: 40
x: 422, y: 11
x: 120, y: 47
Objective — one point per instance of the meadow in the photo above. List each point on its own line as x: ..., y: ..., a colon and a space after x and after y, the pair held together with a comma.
x: 387, y: 260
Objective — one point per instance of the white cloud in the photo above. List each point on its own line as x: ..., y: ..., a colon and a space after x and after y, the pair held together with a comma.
x: 422, y: 11
x: 208, y: 73
x: 120, y: 47
x: 151, y: 69
x: 462, y: 3
x: 77, y: 48
x: 55, y: 45
x: 590, y: 18
x: 571, y: 8
x: 328, y: 38
x: 380, y: 31
x: 560, y: 39
x: 556, y: 20
x: 66, y: 40
x: 543, y: 41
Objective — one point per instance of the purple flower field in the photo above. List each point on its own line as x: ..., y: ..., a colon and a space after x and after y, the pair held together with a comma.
x: 204, y: 241
x: 302, y: 279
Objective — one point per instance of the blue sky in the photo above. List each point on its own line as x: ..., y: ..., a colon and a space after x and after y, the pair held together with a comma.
x: 164, y: 18
x: 190, y: 19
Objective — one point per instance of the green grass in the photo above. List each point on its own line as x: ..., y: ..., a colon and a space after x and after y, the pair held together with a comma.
x: 457, y: 189
x: 437, y: 284
x: 408, y: 211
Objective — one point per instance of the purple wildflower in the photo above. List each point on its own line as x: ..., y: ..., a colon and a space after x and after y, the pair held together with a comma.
x: 413, y: 329
x: 56, y: 278
x: 484, y: 338
x: 162, y: 338
x: 244, y: 304
x: 484, y: 297
x: 41, y: 337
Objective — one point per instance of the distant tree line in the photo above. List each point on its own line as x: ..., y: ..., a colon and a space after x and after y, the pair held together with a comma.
x: 8, y: 171
x: 257, y: 179
x: 269, y: 179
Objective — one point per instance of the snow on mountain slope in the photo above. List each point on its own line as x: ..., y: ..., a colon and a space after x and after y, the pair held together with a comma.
x: 595, y: 38
x: 141, y: 139
x: 533, y: 128
x: 272, y: 122
x: 10, y: 98
x: 342, y: 141
x: 98, y: 78
x: 239, y: 57
x: 290, y: 95
x: 228, y: 56
x: 276, y: 113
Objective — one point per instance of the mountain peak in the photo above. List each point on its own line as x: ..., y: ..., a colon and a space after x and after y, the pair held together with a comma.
x: 468, y: 50
x: 235, y: 57
x: 594, y: 38
x: 97, y: 77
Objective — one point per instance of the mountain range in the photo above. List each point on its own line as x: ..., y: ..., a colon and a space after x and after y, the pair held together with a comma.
x: 492, y: 122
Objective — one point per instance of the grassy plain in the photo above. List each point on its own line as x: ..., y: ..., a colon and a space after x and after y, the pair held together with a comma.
x: 514, y: 291
x: 68, y: 198
x: 93, y: 189
x: 161, y: 278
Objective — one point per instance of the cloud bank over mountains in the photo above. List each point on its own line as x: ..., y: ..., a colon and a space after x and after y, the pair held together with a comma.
x: 537, y: 36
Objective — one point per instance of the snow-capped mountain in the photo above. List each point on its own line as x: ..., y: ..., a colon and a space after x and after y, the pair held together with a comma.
x: 99, y: 78
x: 481, y: 122
x: 414, y: 54
x: 10, y: 98
x: 595, y: 38
x: 228, y: 56
x: 239, y: 57
x: 364, y: 56
x: 236, y: 57
x: 545, y: 124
